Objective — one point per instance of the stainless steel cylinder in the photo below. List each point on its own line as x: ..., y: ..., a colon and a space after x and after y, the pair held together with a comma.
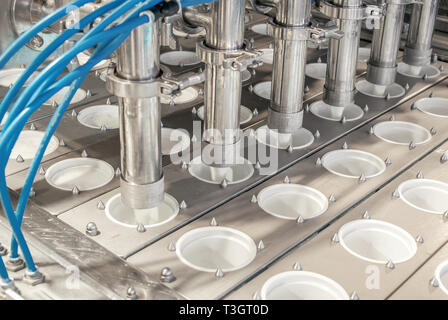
x: 421, y: 27
x: 288, y: 68
x: 140, y: 128
x: 381, y: 69
x: 339, y: 88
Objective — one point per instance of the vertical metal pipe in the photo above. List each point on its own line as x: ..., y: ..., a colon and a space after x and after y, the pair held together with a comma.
x: 418, y: 46
x: 140, y: 128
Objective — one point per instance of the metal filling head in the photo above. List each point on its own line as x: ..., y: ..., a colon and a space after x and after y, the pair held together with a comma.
x: 364, y: 54
x: 437, y: 107
x: 179, y: 58
x: 302, y: 285
x: 174, y: 141
x: 237, y: 173
x: 101, y: 116
x: 260, y: 29
x: 263, y: 90
x: 427, y: 71
x: 426, y: 195
x: 28, y: 143
x: 401, y: 132
x: 125, y: 216
x: 291, y: 201
x: 299, y: 139
x: 392, y: 91
x: 353, y: 163
x: 441, y: 275
x: 79, y: 96
x: 215, y: 248
x: 268, y: 55
x: 350, y: 112
x: 84, y: 174
x: 245, y: 114
x: 316, y: 71
x: 187, y: 95
x: 377, y: 241
x: 9, y: 76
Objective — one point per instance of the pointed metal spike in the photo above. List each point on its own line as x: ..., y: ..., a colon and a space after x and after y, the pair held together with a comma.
x: 183, y: 205
x: 442, y: 68
x: 444, y: 157
x: 318, y: 162
x: 42, y: 171
x: 425, y: 77
x: 396, y: 194
x: 62, y: 143
x: 407, y: 86
x: 75, y: 191
x: 335, y: 238
x: 362, y: 178
x: 420, y: 175
x: 431, y: 95
x: 371, y: 131
x: 297, y: 266
x: 172, y: 246
x: 256, y: 296
x: 108, y: 101
x: 89, y: 93
x: 332, y: 198
x: 290, y: 149
x: 118, y: 172
x: 366, y: 215
x: 286, y: 180
x: 213, y: 223
x: 33, y: 127
x: 224, y: 183
x: 317, y: 134
x: 141, y: 228
x: 84, y: 154
x: 307, y: 108
x: 413, y: 106
x: 354, y: 296
x: 343, y: 119
x: 307, y: 89
x: 257, y: 165
x: 345, y: 145
x: 390, y: 265
x: 366, y: 108
x: 434, y: 282
x: 412, y: 145
x: 392, y: 118
x: 388, y: 97
x: 103, y: 128
x: 300, y: 220
x: 419, y: 239
x: 194, y: 111
x: 253, y: 199
x: 255, y: 112
x: 433, y: 131
x: 260, y: 245
x: 184, y: 165
x: 32, y: 193
x: 19, y: 159
x: 388, y: 161
x: 54, y: 104
x: 319, y: 60
x: 219, y: 273
x: 100, y: 205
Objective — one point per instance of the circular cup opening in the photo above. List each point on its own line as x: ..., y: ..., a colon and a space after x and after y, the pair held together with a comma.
x: 351, y: 112
x: 364, y: 54
x: 28, y: 143
x: 437, y: 107
x: 289, y: 201
x: 125, y: 216
x: 179, y: 58
x: 209, y: 248
x: 373, y: 90
x: 187, y: 95
x: 79, y: 96
x: 316, y: 71
x: 10, y: 76
x: 441, y: 275
x: 401, y: 132
x: 245, y: 114
x: 84, y: 173
x: 302, y: 285
x: 236, y: 173
x: 100, y: 116
x: 84, y: 58
x: 263, y: 90
x: 377, y: 241
x: 417, y: 71
x: 300, y: 139
x: 268, y: 55
x: 426, y: 195
x: 260, y: 29
x: 353, y: 163
x: 174, y: 141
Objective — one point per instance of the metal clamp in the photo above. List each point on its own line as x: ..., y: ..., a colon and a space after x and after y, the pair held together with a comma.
x: 343, y: 13
x: 237, y: 60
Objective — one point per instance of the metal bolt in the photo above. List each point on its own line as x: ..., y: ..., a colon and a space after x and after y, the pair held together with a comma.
x: 131, y: 294
x: 92, y: 229
x: 166, y: 275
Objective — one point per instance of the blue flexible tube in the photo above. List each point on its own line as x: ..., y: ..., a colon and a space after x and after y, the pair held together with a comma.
x: 25, y: 37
